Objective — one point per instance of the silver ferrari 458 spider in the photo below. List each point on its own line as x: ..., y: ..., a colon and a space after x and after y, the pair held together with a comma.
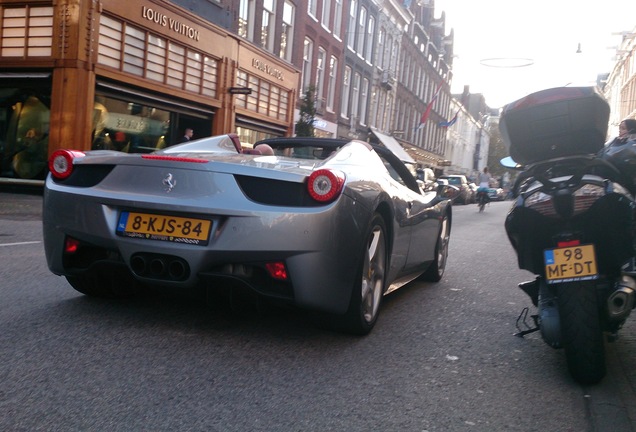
x: 328, y: 225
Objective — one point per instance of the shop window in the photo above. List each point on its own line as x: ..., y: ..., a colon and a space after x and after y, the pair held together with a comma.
x: 156, y: 58
x: 176, y: 65
x: 266, y: 98
x: 128, y: 127
x: 26, y: 31
x: 134, y: 50
x: 24, y: 131
x: 193, y: 72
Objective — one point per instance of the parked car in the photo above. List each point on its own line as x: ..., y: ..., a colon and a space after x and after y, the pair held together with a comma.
x: 473, y: 192
x: 496, y: 194
x: 460, y: 181
x: 324, y: 224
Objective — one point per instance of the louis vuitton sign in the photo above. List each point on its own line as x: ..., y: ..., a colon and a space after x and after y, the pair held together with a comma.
x: 172, y: 24
x: 268, y: 69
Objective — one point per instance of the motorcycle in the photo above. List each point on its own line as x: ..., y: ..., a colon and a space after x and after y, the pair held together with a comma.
x: 572, y: 223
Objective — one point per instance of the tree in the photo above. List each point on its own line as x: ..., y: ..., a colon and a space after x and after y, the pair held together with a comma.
x: 496, y: 151
x: 305, y: 124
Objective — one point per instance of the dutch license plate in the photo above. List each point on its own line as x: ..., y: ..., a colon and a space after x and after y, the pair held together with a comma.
x: 164, y: 228
x: 568, y: 264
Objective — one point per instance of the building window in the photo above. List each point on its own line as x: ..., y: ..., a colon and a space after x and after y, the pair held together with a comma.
x: 386, y: 60
x: 381, y: 36
x: 364, y: 101
x: 346, y: 90
x: 320, y: 76
x: 369, y: 48
x: 337, y: 19
x: 267, y: 99
x: 312, y: 7
x: 246, y: 11
x: 351, y: 28
x: 287, y: 31
x: 26, y: 31
x: 362, y: 21
x: 355, y: 96
x: 326, y: 12
x: 308, y: 52
x: 150, y: 56
x: 333, y: 75
x: 267, y: 25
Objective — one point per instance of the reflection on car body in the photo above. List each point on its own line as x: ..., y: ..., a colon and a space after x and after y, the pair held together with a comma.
x: 460, y: 181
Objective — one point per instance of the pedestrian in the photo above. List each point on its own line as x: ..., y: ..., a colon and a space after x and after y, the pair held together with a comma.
x: 626, y: 132
x: 187, y: 136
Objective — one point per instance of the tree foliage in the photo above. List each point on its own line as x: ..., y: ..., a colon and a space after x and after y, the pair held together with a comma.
x: 496, y: 151
x: 305, y: 124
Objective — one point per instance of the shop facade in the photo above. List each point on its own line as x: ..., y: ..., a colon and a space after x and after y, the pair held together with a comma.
x: 130, y: 76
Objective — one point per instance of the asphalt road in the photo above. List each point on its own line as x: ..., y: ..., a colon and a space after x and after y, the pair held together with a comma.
x: 441, y: 358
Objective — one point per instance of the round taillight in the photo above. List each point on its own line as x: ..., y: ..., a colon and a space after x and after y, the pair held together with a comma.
x: 325, y: 185
x: 61, y: 163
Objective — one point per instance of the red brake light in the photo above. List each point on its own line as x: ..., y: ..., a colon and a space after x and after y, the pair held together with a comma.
x: 570, y: 243
x: 71, y: 245
x: 277, y: 270
x: 61, y: 163
x: 325, y: 185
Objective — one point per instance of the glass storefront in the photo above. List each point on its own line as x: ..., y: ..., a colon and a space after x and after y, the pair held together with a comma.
x: 250, y: 136
x: 129, y: 127
x: 24, y: 127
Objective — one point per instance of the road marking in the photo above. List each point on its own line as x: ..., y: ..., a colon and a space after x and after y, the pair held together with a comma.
x: 18, y: 244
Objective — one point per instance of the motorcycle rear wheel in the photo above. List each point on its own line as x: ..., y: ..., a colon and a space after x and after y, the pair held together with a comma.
x: 581, y: 331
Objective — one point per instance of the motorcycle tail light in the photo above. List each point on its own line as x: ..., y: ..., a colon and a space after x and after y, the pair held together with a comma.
x: 581, y: 200
x: 585, y: 196
x: 541, y: 203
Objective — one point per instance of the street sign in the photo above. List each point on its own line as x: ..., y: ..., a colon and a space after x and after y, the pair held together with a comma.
x: 240, y: 90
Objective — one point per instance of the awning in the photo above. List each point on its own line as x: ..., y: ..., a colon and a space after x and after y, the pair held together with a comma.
x: 392, y: 144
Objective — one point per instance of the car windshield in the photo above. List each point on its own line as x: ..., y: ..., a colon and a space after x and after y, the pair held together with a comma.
x: 454, y: 180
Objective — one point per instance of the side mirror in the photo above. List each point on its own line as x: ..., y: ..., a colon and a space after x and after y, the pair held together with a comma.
x: 446, y: 191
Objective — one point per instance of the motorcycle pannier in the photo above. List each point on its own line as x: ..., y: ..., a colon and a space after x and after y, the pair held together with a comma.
x: 562, y: 121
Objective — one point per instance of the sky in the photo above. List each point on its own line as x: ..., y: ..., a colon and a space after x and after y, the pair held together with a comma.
x: 546, y: 32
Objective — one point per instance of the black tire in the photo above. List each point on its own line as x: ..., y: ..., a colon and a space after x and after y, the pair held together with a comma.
x: 366, y: 295
x: 482, y: 203
x: 581, y: 331
x: 435, y: 271
x: 101, y: 284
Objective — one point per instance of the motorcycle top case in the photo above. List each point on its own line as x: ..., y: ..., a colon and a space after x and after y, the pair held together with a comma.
x: 562, y: 121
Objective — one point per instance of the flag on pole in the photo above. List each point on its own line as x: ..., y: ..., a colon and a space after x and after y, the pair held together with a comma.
x: 450, y: 122
x: 429, y: 107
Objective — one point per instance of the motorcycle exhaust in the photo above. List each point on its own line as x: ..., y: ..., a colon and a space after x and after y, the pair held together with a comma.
x: 621, y: 302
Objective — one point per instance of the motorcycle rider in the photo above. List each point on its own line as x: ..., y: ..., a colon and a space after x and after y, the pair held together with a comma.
x: 483, y: 180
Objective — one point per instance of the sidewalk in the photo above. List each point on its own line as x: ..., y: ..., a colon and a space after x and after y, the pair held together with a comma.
x: 20, y: 206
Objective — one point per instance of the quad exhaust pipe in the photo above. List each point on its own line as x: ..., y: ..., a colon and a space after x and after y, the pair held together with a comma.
x: 161, y: 267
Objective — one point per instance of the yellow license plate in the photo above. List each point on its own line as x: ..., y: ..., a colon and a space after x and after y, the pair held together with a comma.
x: 570, y: 264
x: 165, y: 228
